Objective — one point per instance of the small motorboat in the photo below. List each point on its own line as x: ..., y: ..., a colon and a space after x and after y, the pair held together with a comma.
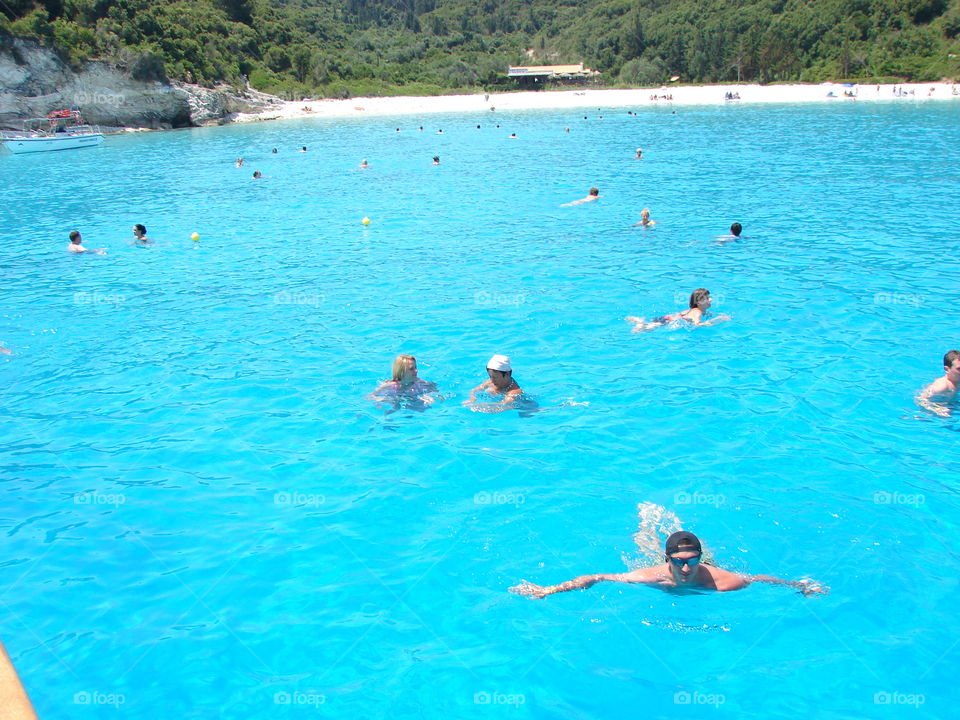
x: 59, y: 130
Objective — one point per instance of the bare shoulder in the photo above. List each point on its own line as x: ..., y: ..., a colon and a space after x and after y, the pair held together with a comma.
x: 653, y: 574
x: 724, y: 580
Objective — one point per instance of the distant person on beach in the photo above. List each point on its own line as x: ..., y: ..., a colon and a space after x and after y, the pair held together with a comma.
x: 681, y: 570
x: 499, y: 382
x: 700, y: 302
x: 76, y: 245
x: 944, y: 388
x: 639, y: 155
x: 140, y: 234
x: 436, y: 160
x: 594, y: 194
x: 645, y: 220
x: 404, y: 382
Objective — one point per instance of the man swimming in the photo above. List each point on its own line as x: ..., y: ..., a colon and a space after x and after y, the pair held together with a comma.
x: 681, y: 569
x: 700, y: 302
x: 500, y: 382
x: 76, y: 245
x: 594, y: 194
x: 140, y: 234
x: 944, y: 388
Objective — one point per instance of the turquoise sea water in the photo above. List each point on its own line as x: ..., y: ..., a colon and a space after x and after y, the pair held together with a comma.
x: 205, y: 517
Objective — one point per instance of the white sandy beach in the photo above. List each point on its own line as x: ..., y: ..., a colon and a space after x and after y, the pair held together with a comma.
x: 606, y: 99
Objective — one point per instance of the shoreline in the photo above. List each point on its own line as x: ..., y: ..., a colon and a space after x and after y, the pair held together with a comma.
x: 602, y: 99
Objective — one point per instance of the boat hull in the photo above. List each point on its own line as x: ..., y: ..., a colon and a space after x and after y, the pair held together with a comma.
x: 47, y: 144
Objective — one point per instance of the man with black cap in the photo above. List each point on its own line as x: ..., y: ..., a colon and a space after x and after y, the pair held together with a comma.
x: 681, y: 569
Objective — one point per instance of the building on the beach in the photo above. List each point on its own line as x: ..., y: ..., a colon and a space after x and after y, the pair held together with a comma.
x: 539, y: 75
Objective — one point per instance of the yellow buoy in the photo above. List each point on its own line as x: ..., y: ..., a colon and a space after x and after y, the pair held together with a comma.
x: 195, y: 236
x: 366, y: 221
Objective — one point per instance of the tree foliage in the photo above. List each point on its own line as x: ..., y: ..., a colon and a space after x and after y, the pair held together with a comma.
x: 338, y: 48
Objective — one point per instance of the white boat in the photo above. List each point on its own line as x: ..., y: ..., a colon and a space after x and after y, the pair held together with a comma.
x: 65, y: 131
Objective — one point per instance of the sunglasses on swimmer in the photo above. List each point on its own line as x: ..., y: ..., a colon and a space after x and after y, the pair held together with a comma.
x: 680, y: 562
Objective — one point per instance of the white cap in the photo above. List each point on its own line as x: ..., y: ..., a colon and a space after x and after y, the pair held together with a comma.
x: 499, y: 362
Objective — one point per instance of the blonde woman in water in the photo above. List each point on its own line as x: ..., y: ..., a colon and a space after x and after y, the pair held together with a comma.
x: 404, y: 382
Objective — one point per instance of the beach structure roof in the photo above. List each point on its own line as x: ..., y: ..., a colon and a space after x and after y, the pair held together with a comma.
x: 552, y: 72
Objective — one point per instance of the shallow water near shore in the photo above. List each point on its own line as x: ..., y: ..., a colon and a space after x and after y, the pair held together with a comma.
x: 204, y: 513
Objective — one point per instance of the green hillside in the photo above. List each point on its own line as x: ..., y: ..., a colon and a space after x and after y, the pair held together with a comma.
x: 364, y: 47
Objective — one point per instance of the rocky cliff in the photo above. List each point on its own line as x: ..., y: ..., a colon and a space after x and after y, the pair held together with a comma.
x: 34, y: 81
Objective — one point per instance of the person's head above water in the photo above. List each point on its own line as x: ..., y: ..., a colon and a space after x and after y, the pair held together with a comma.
x: 645, y: 214
x: 500, y: 371
x: 75, y: 237
x: 594, y: 191
x: 139, y: 230
x: 736, y: 229
x: 683, y: 551
x: 699, y: 297
x: 949, y: 360
x: 404, y: 368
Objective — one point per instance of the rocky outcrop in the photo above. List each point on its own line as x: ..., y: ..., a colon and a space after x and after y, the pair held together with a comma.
x: 34, y: 81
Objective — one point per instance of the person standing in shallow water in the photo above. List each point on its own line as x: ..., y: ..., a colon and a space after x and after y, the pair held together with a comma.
x: 499, y: 382
x: 944, y: 388
x: 680, y: 570
x: 404, y: 382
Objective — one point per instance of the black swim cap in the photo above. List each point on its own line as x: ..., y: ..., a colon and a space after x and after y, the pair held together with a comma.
x: 683, y: 541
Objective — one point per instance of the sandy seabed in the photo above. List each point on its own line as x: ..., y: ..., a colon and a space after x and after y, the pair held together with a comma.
x: 606, y: 99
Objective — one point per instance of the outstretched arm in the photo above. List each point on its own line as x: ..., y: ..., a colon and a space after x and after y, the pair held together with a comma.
x: 528, y: 589
x: 807, y: 587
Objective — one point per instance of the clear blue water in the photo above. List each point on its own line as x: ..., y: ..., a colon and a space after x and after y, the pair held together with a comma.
x: 202, y: 512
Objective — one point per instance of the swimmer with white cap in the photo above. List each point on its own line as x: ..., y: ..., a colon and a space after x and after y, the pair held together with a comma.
x: 500, y: 382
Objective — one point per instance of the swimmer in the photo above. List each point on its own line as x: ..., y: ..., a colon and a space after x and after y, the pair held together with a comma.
x: 364, y: 165
x: 700, y: 302
x: 645, y: 220
x: 257, y: 174
x: 513, y: 136
x: 944, y: 388
x: 239, y: 162
x: 436, y: 160
x: 681, y: 568
x: 735, y: 231
x: 76, y: 245
x: 500, y: 382
x: 303, y: 149
x: 140, y: 234
x: 404, y: 382
x: 594, y: 194
x: 5, y: 351
x: 274, y: 151
x: 639, y: 155
x: 440, y: 132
